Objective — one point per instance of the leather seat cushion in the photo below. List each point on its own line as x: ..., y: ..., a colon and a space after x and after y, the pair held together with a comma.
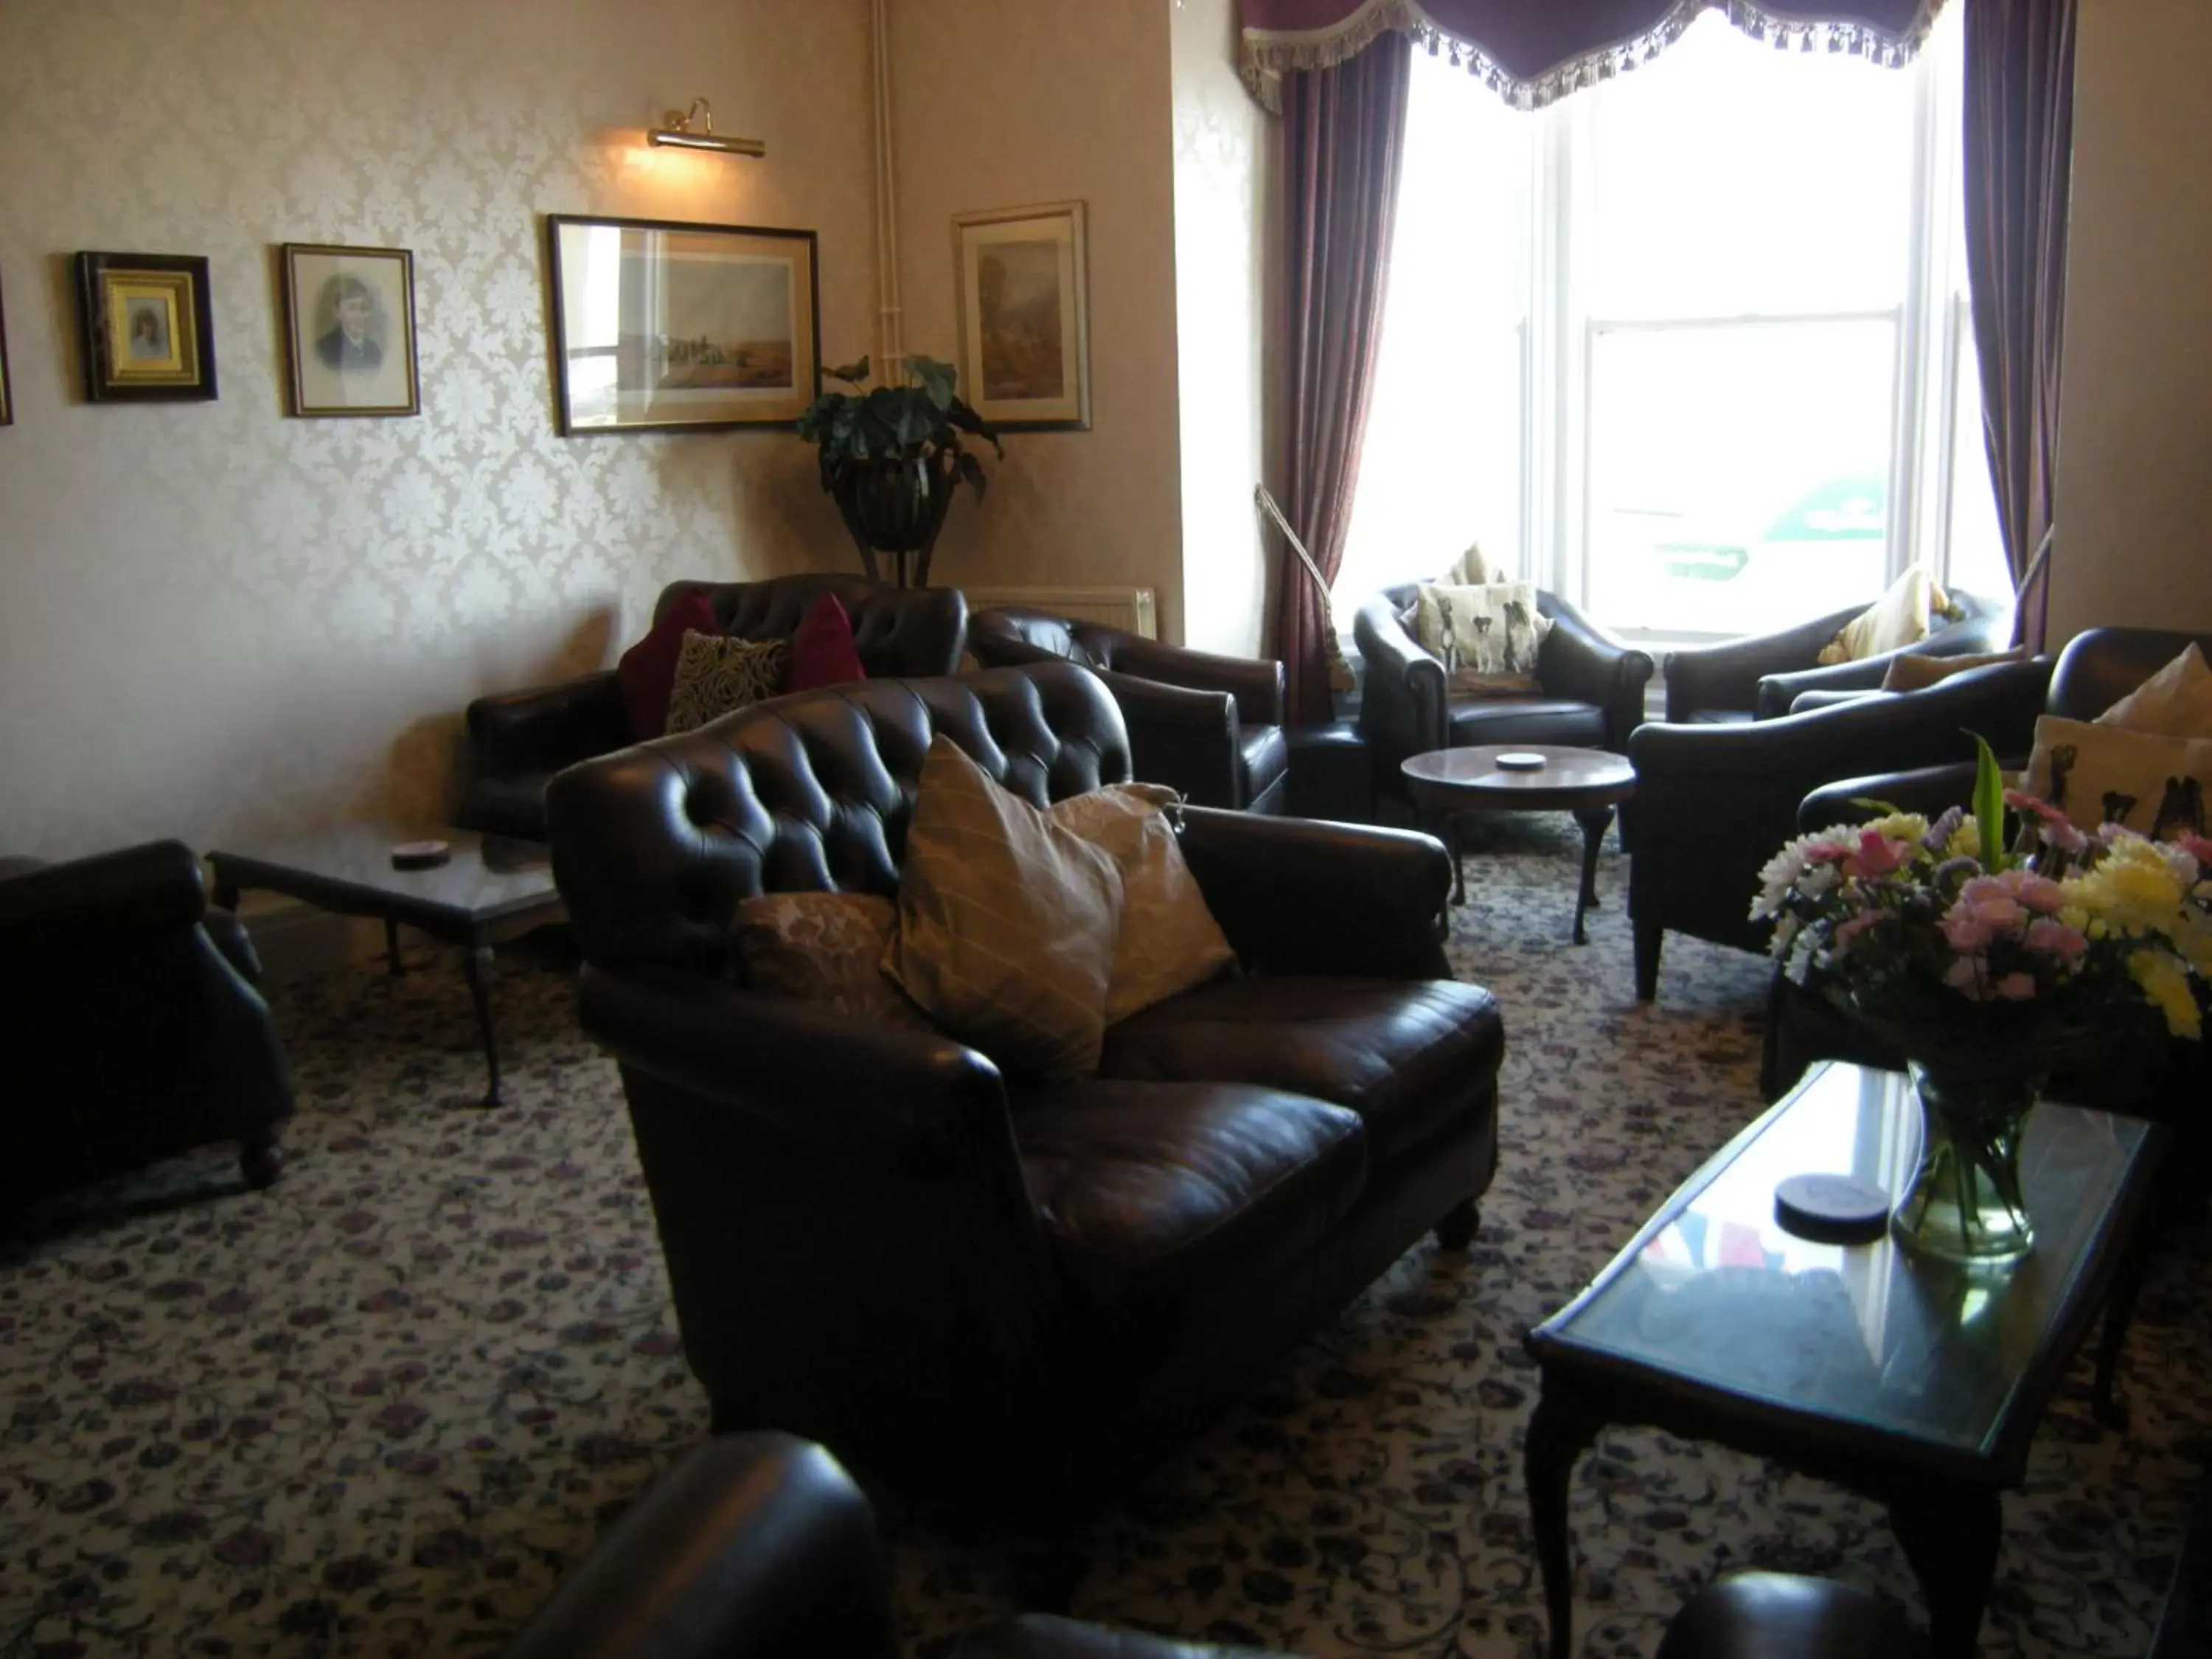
x: 1266, y: 756
x: 1806, y: 702
x: 1526, y: 720
x: 1156, y: 1193
x: 1403, y: 1054
x: 1719, y: 717
x: 513, y: 805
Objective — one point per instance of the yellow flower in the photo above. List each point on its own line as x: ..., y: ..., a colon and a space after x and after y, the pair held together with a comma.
x: 2132, y: 888
x: 1966, y: 841
x: 2165, y: 980
x: 1901, y: 826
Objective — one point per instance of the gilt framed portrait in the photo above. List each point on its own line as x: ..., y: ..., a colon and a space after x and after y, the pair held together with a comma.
x: 144, y: 328
x: 350, y: 330
x: 1025, y: 316
x: 664, y: 326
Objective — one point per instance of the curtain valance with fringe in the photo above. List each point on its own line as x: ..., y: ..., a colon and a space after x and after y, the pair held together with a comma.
x: 1531, y: 52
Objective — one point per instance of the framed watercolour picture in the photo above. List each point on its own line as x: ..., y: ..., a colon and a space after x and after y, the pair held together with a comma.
x: 144, y: 327
x: 1025, y: 316
x: 350, y: 330
x: 661, y: 326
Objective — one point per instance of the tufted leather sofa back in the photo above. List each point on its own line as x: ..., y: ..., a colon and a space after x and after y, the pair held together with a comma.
x: 2100, y: 665
x: 900, y: 631
x: 654, y: 847
x: 1009, y: 633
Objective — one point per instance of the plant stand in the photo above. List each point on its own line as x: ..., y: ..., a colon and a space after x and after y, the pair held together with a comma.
x: 882, y: 518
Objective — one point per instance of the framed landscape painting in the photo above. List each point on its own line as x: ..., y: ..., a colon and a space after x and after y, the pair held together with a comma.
x: 1025, y: 316
x: 662, y: 326
x: 350, y: 330
x: 144, y: 327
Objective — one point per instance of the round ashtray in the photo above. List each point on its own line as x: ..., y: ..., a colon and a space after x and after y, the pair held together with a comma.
x: 1520, y: 760
x: 1832, y: 1209
x: 421, y: 854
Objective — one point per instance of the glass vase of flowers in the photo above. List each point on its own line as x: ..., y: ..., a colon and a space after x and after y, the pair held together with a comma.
x: 1992, y: 962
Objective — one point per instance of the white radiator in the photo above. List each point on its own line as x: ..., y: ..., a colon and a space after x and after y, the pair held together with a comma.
x: 1129, y: 608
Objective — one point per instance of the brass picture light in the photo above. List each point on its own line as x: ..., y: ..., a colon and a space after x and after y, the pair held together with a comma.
x: 694, y: 128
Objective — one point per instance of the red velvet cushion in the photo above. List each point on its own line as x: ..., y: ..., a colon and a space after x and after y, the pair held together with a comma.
x: 646, y: 672
x: 821, y: 651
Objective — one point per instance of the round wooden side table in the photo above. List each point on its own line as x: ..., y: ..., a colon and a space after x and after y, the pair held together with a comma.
x: 1449, y: 783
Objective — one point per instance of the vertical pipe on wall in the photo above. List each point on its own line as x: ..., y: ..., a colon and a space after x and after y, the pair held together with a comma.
x: 890, y: 344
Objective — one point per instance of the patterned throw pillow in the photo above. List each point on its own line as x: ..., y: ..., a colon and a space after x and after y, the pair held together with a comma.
x: 1008, y: 922
x: 2097, y: 774
x: 823, y: 948
x: 1486, y: 637
x: 2174, y: 703
x: 1169, y: 940
x: 718, y: 675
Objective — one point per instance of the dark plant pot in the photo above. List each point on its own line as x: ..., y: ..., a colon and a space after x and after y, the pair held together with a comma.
x: 895, y: 507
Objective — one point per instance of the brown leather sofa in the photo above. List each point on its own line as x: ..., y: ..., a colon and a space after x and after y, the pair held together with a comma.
x: 978, y: 1285
x: 517, y: 741
x: 1592, y: 694
x: 1209, y: 727
x: 1762, y: 677
x: 132, y: 1023
x: 1714, y: 802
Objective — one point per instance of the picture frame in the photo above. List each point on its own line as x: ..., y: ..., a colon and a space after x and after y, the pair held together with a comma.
x: 665, y: 326
x: 1021, y: 276
x: 145, y: 330
x: 7, y: 386
x: 348, y: 317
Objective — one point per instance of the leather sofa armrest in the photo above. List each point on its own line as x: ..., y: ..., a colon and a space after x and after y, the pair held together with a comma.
x: 1401, y: 697
x: 751, y: 1543
x: 1256, y: 683
x: 1928, y: 790
x: 1728, y: 676
x: 1777, y: 694
x: 1580, y: 659
x: 137, y: 892
x: 1297, y: 895
x: 1181, y: 737
x: 546, y: 727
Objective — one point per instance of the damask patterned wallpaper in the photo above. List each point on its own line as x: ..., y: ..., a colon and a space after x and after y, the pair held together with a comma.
x: 217, y: 621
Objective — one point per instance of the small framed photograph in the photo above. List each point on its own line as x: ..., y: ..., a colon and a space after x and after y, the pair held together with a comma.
x: 1025, y: 316
x: 145, y: 329
x: 7, y: 392
x: 350, y: 330
x: 663, y: 326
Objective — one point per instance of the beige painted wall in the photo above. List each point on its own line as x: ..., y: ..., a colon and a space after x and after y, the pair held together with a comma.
x: 1223, y: 150
x: 2135, y: 468
x: 215, y: 621
x: 1006, y: 102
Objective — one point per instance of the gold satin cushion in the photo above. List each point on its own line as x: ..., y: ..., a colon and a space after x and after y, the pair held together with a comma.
x: 1902, y: 616
x: 1008, y: 923
x: 718, y: 675
x: 1168, y: 940
x: 826, y: 949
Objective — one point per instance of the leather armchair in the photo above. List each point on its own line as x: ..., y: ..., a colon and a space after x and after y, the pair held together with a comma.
x: 1592, y: 694
x: 518, y: 740
x: 1715, y: 802
x: 1210, y: 726
x: 133, y: 1022
x: 983, y: 1286
x: 1762, y: 677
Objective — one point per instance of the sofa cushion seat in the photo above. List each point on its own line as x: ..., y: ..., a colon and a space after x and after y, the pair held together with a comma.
x: 1265, y: 754
x: 1475, y: 721
x: 1153, y: 1194
x: 1719, y: 717
x: 1404, y: 1055
x: 514, y: 805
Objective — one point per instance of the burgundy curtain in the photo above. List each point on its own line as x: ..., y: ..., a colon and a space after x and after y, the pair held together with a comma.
x: 1343, y: 139
x: 2019, y: 142
x: 1532, y: 51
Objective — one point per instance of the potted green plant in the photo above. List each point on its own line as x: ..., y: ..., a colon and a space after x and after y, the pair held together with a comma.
x: 891, y: 457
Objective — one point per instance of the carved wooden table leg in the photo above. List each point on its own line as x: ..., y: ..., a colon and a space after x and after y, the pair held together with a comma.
x: 1558, y: 1433
x: 1952, y: 1542
x: 1595, y: 821
x: 477, y: 964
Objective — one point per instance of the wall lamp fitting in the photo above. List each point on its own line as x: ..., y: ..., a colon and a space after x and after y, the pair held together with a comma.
x: 694, y: 128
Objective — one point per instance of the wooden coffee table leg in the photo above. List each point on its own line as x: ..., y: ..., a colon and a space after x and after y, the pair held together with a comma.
x: 2119, y: 1309
x: 391, y: 964
x: 1594, y: 822
x: 1951, y: 1540
x: 477, y: 964
x: 1557, y: 1434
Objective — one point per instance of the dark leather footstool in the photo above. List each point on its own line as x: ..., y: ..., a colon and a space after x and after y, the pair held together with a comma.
x: 1775, y: 1615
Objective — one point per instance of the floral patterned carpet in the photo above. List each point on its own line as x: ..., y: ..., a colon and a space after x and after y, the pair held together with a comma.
x: 379, y: 1409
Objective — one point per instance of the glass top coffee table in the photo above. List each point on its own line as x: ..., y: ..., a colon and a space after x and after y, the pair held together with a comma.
x: 1914, y: 1382
x: 491, y: 889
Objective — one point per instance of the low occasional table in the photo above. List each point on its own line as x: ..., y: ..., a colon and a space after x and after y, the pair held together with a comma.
x: 1586, y: 782
x: 491, y: 890
x: 1915, y: 1382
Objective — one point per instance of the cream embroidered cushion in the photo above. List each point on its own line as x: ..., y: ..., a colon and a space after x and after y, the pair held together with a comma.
x: 717, y: 675
x: 1915, y: 671
x: 2175, y: 703
x: 824, y: 948
x: 1008, y: 922
x: 1169, y: 940
x: 1900, y: 616
x: 2097, y: 774
x: 1486, y: 637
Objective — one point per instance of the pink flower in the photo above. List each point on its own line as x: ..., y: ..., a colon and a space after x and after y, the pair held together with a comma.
x: 1965, y: 976
x: 2055, y: 938
x: 1978, y: 916
x: 2198, y: 847
x: 2015, y: 987
x: 2037, y: 892
x: 1876, y: 854
x: 1857, y: 924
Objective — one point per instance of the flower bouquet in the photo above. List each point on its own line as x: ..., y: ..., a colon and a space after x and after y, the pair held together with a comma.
x: 1990, y: 963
